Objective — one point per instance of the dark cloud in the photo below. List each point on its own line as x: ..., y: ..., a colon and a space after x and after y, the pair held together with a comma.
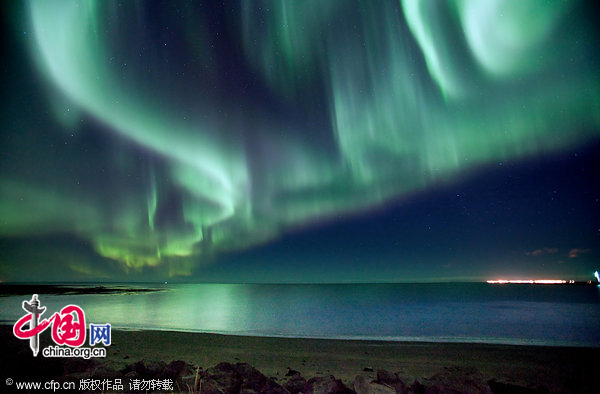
x: 541, y: 252
x: 574, y: 253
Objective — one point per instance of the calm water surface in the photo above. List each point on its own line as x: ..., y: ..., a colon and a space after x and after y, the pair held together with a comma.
x: 474, y: 312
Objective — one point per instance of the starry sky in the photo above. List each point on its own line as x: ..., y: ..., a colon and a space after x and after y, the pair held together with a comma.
x: 299, y: 141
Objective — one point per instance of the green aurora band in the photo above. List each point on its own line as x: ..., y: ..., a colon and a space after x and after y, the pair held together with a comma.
x: 389, y: 98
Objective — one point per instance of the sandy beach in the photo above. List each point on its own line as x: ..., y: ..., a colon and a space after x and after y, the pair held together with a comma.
x: 531, y: 368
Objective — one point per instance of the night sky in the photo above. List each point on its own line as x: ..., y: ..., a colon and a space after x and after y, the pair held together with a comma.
x: 299, y: 141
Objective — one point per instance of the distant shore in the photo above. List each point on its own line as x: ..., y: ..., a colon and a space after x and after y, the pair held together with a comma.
x: 29, y: 289
x: 535, y: 368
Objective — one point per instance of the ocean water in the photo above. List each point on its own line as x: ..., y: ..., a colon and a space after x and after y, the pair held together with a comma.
x: 453, y: 312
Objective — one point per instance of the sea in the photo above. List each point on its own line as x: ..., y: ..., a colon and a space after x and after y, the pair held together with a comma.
x: 547, y: 315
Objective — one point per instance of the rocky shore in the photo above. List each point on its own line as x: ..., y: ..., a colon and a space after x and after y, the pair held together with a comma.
x: 228, y: 378
x: 206, y: 363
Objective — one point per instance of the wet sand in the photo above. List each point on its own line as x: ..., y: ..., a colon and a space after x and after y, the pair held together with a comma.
x: 553, y: 369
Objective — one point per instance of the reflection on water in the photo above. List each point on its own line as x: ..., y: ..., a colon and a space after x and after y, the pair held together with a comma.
x: 448, y: 312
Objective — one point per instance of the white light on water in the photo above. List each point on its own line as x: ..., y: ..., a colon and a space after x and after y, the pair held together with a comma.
x: 529, y: 281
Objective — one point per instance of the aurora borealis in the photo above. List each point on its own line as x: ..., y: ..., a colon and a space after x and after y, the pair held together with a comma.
x: 202, y: 141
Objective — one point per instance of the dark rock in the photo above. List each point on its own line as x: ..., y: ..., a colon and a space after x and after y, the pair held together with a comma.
x: 325, y: 385
x: 364, y: 385
x: 211, y: 387
x: 416, y: 388
x: 236, y: 378
x: 179, y: 368
x: 154, y: 369
x: 158, y: 369
x: 270, y: 387
x: 252, y: 379
x: 221, y: 378
x: 368, y: 369
x: 131, y: 375
x: 457, y: 380
x: 384, y: 376
x: 295, y: 384
x: 291, y: 372
x: 392, y: 380
x: 147, y: 369
x: 75, y: 365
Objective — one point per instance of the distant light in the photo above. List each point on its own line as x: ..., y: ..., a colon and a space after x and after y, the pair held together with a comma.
x: 597, y: 277
x: 550, y: 281
x: 529, y: 281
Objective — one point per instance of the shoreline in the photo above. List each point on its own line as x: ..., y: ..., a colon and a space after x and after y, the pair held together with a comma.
x: 9, y: 289
x: 375, y: 341
x: 382, y: 341
x: 538, y: 368
x: 344, y: 358
x: 372, y: 340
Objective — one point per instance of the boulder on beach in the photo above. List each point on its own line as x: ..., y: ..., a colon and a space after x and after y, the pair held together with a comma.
x: 416, y: 388
x: 144, y: 369
x: 291, y: 372
x: 179, y: 368
x: 295, y: 384
x: 364, y: 385
x: 465, y: 380
x: 222, y: 378
x: 392, y: 380
x: 324, y: 385
x: 227, y: 378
